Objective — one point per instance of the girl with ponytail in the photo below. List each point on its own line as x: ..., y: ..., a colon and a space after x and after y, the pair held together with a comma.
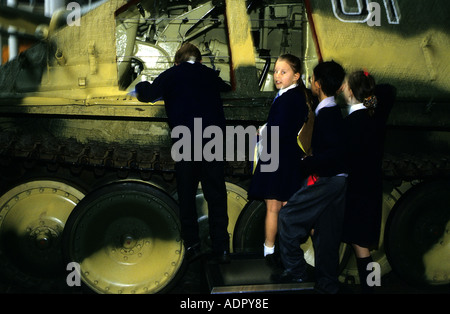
x: 362, y: 220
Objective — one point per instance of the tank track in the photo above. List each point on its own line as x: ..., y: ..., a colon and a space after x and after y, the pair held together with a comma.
x: 416, y: 166
x: 101, y: 159
x: 145, y: 161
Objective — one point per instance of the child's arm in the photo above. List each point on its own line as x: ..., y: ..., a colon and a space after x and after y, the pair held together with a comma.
x: 146, y: 92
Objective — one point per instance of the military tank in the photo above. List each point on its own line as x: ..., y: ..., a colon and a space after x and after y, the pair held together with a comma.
x: 87, y: 178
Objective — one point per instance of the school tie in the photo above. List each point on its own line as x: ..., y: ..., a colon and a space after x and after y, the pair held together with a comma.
x: 276, y: 96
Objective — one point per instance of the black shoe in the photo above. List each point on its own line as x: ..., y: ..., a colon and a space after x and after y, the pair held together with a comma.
x: 193, y: 253
x: 287, y: 277
x: 332, y: 289
x: 220, y: 258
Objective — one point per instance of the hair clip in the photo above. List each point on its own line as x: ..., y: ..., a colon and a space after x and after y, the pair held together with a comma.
x: 366, y: 73
x: 370, y: 102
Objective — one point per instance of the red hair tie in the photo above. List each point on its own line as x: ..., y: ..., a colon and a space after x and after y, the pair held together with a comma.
x: 366, y: 73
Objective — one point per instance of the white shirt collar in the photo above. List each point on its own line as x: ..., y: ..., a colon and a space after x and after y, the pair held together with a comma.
x: 327, y: 102
x: 283, y: 90
x: 355, y: 107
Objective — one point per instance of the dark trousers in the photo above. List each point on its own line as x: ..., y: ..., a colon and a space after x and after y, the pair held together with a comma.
x: 319, y: 206
x: 211, y: 176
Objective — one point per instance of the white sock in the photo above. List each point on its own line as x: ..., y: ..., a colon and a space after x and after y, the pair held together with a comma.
x: 268, y: 250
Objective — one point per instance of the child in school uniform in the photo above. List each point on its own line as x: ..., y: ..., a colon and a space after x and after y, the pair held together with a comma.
x: 191, y: 91
x: 288, y: 112
x: 320, y: 201
x: 362, y: 220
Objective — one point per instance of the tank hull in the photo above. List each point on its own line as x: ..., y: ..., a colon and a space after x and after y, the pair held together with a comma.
x: 70, y: 124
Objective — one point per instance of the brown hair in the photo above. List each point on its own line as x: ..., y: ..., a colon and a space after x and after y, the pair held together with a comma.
x: 296, y: 64
x: 187, y: 52
x: 293, y: 61
x: 362, y: 85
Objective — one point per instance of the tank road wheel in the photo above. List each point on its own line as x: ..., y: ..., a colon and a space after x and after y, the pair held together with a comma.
x: 32, y: 219
x: 249, y: 234
x: 236, y: 201
x: 249, y: 231
x: 126, y: 238
x: 418, y: 235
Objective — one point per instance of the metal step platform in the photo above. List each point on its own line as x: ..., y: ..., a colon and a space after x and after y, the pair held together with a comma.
x: 248, y: 274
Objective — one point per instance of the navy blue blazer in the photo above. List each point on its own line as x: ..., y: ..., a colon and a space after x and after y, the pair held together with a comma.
x: 288, y: 112
x: 189, y: 90
x: 328, y: 144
